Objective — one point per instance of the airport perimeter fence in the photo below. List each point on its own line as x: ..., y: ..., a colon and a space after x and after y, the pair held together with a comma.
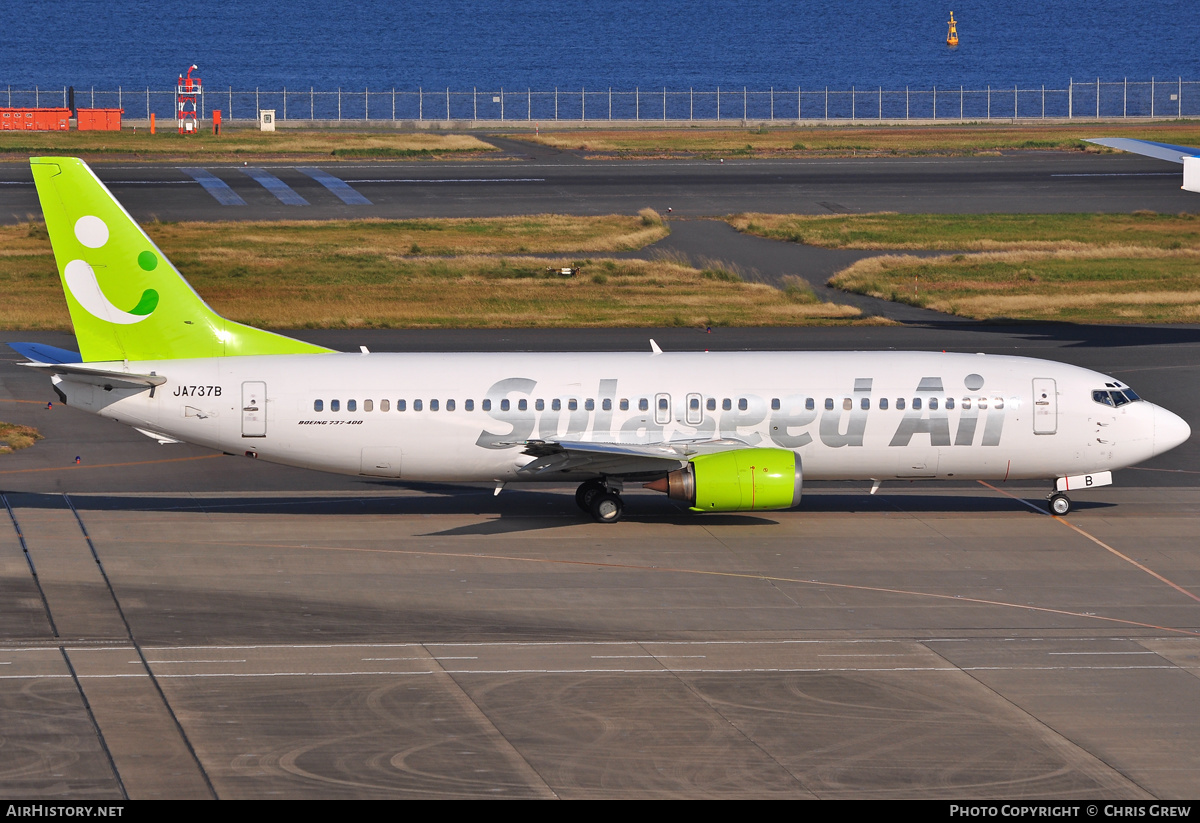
x: 1152, y: 98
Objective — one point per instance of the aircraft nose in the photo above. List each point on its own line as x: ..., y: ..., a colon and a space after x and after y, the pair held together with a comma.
x: 1169, y: 430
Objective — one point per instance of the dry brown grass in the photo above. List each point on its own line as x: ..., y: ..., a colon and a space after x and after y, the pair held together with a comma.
x: 242, y: 144
x: 1101, y: 285
x: 13, y: 437
x: 977, y: 232
x: 301, y: 275
x: 853, y: 140
x: 532, y: 234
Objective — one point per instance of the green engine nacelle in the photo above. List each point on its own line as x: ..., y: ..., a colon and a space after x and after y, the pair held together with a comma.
x: 734, y: 481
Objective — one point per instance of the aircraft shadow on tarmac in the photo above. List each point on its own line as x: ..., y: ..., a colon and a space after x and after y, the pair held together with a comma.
x: 520, y: 510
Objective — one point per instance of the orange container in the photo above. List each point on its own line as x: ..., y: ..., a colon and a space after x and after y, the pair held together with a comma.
x: 99, y: 119
x: 35, y: 119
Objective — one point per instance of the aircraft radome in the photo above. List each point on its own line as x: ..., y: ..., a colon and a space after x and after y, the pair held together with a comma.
x: 719, y: 431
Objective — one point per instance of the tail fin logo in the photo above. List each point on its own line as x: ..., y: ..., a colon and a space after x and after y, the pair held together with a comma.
x: 80, y: 278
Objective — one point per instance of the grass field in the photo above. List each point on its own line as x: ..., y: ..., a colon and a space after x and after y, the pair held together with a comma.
x: 1096, y: 268
x: 840, y: 141
x: 381, y: 274
x: 13, y: 437
x: 242, y: 144
x: 977, y: 232
x: 815, y: 141
x: 1103, y: 284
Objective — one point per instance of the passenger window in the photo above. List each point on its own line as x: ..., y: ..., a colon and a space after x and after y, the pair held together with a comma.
x: 433, y: 405
x: 916, y: 404
x: 318, y: 405
x: 866, y: 404
x: 572, y: 404
x: 539, y: 405
x: 469, y: 405
x: 966, y: 404
x: 335, y: 405
x: 368, y: 405
x: 606, y: 404
x: 401, y: 405
x: 504, y: 404
x: 663, y: 404
x: 933, y: 404
x: 899, y: 404
x: 351, y: 405
x: 449, y: 405
x: 624, y: 404
x: 556, y: 405
x: 385, y: 405
x: 847, y: 404
x: 809, y: 403
x: 982, y: 403
x: 997, y: 402
x: 949, y: 404
x: 589, y: 404
x: 486, y: 405
x: 742, y: 404
x: 711, y: 405
x: 883, y: 403
x: 828, y: 404
x: 522, y: 405
x: 726, y: 404
x: 694, y: 404
x: 417, y: 405
x: 643, y: 404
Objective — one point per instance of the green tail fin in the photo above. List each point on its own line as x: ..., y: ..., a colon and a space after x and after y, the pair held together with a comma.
x: 127, y: 301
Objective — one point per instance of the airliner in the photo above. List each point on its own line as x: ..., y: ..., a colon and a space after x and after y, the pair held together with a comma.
x: 720, y: 432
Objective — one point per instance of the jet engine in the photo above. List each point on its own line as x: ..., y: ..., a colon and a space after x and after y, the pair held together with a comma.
x: 733, y: 481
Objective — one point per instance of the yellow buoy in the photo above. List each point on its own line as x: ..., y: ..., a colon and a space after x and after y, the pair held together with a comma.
x: 952, y: 37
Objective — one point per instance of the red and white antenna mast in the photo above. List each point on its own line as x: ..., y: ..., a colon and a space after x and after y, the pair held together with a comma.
x: 188, y: 96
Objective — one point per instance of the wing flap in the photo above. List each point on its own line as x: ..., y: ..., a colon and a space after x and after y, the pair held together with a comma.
x: 617, y: 458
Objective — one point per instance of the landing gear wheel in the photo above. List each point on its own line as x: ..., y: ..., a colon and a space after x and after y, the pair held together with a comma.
x: 1060, y: 504
x: 587, y: 493
x: 607, y: 507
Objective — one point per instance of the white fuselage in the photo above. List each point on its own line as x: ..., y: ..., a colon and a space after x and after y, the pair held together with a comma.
x: 464, y: 417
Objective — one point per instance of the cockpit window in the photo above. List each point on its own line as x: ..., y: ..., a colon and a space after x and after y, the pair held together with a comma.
x: 1114, y: 397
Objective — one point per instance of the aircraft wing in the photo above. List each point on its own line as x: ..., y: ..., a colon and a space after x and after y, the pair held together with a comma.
x: 618, y: 458
x: 1189, y: 157
x: 1148, y: 148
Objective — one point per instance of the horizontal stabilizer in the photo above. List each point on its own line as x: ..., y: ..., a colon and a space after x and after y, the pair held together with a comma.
x: 100, y: 377
x: 41, y: 353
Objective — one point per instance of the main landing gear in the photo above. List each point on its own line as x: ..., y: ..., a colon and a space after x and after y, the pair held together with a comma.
x: 601, y: 500
x: 1059, y: 504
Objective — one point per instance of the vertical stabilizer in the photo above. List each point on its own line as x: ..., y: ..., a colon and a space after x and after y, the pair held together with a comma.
x: 127, y: 301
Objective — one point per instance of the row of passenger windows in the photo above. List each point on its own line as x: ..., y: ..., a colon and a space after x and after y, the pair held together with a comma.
x: 663, y: 403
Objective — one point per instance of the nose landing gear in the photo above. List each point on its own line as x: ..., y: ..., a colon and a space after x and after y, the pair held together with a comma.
x: 1059, y: 504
